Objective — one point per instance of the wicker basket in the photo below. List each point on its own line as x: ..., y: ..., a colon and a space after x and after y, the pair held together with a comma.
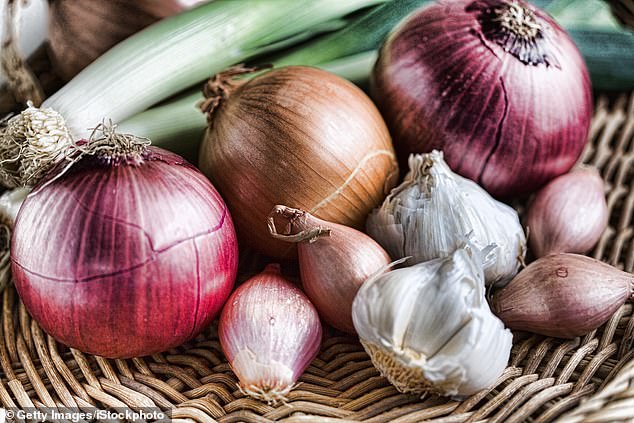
x: 589, y: 379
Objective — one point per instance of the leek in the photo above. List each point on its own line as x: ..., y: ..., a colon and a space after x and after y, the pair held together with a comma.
x: 151, y: 66
x: 349, y: 52
x: 179, y: 51
x: 179, y: 125
x: 362, y: 35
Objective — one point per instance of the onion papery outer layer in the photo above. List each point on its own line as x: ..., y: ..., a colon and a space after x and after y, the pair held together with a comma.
x: 81, y: 31
x: 444, y: 82
x: 126, y: 259
x: 301, y: 137
x: 269, y: 332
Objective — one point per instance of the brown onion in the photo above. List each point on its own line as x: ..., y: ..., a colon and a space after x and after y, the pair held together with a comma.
x: 334, y: 261
x: 496, y: 85
x: 563, y: 295
x: 569, y: 214
x: 297, y: 136
x: 82, y: 30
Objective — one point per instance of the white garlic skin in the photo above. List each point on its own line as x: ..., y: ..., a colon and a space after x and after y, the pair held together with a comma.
x: 432, y: 212
x: 270, y: 332
x: 428, y: 327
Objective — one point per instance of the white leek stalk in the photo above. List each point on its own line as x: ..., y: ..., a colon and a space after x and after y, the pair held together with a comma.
x: 178, y: 125
x: 349, y: 52
x: 173, y: 54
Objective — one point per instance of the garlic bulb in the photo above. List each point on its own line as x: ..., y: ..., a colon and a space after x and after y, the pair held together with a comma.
x: 429, y: 215
x: 428, y: 327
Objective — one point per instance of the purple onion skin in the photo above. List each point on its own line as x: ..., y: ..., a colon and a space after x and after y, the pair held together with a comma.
x: 125, y: 260
x: 440, y: 83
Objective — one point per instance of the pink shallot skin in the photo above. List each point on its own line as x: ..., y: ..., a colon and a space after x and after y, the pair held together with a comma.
x: 269, y: 332
x: 563, y: 295
x: 569, y: 214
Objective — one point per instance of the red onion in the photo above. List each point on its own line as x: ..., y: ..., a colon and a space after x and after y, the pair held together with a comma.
x: 334, y: 261
x: 270, y: 333
x: 496, y: 85
x: 130, y: 252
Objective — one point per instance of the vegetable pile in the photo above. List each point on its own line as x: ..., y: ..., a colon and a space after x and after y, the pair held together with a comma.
x: 120, y: 248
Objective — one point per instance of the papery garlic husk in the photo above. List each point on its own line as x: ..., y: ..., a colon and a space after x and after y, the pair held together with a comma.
x: 269, y: 332
x: 569, y: 214
x: 428, y: 327
x: 429, y: 215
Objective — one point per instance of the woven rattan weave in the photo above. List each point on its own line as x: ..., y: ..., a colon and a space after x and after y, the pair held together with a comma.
x: 588, y: 379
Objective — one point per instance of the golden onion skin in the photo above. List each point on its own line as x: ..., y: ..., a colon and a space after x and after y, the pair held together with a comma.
x: 302, y: 137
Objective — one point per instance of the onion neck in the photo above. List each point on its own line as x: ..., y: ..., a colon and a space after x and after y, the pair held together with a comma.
x: 514, y: 26
x: 220, y: 87
x: 300, y: 226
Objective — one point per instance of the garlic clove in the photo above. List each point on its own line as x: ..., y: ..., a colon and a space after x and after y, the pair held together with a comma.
x: 436, y: 299
x: 569, y: 214
x: 563, y: 295
x: 369, y: 320
x: 479, y: 341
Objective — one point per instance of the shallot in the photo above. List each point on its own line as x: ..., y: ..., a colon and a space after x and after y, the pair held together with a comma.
x: 334, y: 261
x: 569, y: 214
x: 270, y: 332
x: 563, y: 295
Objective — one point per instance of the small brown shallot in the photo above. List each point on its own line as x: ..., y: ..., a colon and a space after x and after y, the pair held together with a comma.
x: 569, y: 214
x: 334, y: 261
x: 563, y: 295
